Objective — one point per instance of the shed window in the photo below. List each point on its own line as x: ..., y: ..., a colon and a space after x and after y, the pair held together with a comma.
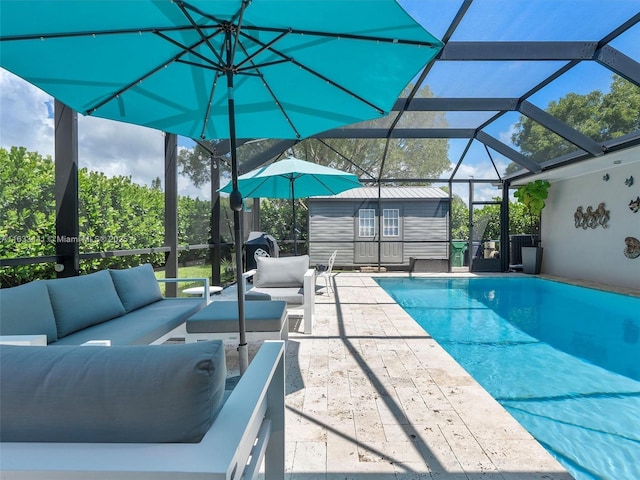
x: 391, y: 222
x: 366, y: 222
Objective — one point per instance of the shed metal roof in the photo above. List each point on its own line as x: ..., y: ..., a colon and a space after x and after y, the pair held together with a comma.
x: 395, y: 193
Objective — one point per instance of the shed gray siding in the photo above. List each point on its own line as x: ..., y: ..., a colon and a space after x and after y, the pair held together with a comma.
x: 425, y: 222
x: 333, y: 223
x: 329, y: 222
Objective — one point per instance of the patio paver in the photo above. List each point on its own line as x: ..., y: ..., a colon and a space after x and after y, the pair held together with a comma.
x: 371, y: 396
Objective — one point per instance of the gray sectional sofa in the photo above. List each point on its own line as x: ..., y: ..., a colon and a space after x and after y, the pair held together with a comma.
x: 123, y: 307
x: 139, y: 412
x: 130, y: 410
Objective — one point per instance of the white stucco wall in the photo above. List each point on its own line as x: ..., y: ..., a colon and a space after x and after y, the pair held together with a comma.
x: 593, y: 254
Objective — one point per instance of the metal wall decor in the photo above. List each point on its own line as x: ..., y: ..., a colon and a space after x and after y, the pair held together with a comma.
x: 591, y: 218
x: 634, y: 205
x: 629, y: 181
x: 632, y: 249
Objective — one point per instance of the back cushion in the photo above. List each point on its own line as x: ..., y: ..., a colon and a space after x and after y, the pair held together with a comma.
x: 142, y: 394
x: 26, y: 310
x: 281, y: 271
x: 79, y: 302
x: 136, y: 286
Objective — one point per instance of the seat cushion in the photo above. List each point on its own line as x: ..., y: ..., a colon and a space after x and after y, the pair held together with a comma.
x: 293, y: 296
x: 140, y: 327
x: 26, y: 310
x: 222, y: 317
x: 139, y: 394
x: 79, y: 302
x: 136, y: 286
x: 280, y: 272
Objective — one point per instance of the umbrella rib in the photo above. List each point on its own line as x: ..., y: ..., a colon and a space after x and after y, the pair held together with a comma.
x: 324, y: 184
x: 208, y: 15
x: 214, y: 67
x: 275, y: 99
x: 185, y: 12
x: 191, y: 50
x: 250, y: 193
x: 317, y: 74
x: 125, y: 31
x: 211, y: 95
x: 247, y: 70
x: 140, y: 79
x: 349, y: 36
x: 262, y: 49
x: 236, y: 39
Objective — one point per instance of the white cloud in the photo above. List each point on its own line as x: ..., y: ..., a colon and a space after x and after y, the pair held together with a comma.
x: 481, y: 171
x: 24, y: 115
x: 505, y: 137
x: 114, y: 148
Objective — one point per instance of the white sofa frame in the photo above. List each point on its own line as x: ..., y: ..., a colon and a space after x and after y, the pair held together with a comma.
x: 248, y: 429
x: 307, y: 309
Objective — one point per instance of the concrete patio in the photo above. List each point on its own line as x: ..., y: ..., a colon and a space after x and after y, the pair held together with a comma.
x: 371, y: 396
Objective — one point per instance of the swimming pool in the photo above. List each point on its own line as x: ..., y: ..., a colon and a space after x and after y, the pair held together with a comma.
x: 563, y: 360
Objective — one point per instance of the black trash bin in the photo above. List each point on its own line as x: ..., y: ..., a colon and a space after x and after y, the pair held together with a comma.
x: 259, y: 244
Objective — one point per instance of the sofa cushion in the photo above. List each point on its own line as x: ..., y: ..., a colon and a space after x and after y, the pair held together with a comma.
x: 79, y: 302
x: 280, y: 271
x: 222, y: 317
x: 26, y: 310
x: 291, y: 295
x: 136, y: 286
x: 140, y: 394
x: 140, y: 327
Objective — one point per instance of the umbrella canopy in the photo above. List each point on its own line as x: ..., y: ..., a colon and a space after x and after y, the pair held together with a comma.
x: 218, y: 69
x: 293, y: 178
x: 300, y: 67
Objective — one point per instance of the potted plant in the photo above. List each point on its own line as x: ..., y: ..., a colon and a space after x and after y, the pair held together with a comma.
x: 532, y: 197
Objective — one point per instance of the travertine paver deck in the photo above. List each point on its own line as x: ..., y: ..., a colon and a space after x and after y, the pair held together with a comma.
x: 371, y: 396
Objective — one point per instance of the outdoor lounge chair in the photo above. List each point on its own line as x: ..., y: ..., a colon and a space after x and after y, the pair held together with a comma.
x: 288, y: 279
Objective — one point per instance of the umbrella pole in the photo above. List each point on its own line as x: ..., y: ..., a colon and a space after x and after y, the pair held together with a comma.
x: 235, y: 201
x: 293, y: 207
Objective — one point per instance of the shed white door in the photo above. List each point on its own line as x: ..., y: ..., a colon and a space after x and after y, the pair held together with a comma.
x: 366, y: 241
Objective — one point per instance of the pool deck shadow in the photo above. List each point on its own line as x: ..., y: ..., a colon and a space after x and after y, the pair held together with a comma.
x: 370, y: 395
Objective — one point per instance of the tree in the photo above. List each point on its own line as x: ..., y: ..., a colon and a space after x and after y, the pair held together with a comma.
x: 597, y: 115
x: 276, y: 218
x: 27, y: 213
x: 404, y: 158
x: 532, y: 196
x: 459, y: 218
x: 115, y: 214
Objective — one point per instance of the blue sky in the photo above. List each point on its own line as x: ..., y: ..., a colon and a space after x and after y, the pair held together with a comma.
x: 121, y: 149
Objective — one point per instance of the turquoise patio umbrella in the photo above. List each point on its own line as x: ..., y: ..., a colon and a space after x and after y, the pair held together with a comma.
x: 293, y: 178
x: 216, y: 69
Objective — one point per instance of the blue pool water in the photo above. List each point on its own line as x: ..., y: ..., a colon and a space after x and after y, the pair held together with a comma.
x: 563, y: 360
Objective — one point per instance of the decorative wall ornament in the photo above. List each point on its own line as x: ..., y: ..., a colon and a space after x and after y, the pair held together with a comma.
x: 605, y: 177
x: 629, y: 181
x: 591, y: 218
x: 632, y: 250
x: 634, y: 205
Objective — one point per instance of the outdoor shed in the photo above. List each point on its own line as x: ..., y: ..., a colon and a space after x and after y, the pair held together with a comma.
x: 392, y: 227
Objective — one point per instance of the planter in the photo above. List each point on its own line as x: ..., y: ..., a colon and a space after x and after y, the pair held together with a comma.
x: 531, y: 259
